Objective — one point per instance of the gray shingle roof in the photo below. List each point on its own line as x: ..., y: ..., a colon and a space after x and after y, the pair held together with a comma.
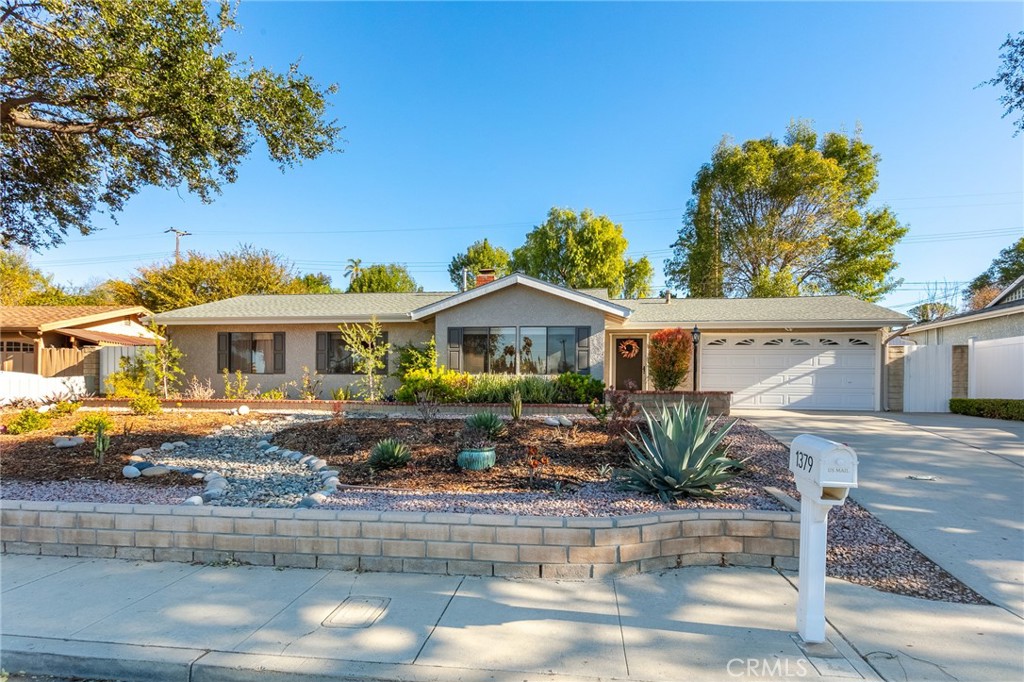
x: 303, y: 307
x: 760, y: 310
x: 646, y: 312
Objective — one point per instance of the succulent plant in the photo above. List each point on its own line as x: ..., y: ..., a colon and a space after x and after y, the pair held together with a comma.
x: 389, y: 453
x: 680, y: 455
x: 486, y: 422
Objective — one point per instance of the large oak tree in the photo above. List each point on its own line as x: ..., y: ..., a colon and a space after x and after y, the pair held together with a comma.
x: 100, y: 98
x: 773, y: 218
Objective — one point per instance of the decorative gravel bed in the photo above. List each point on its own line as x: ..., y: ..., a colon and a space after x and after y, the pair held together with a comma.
x: 861, y: 548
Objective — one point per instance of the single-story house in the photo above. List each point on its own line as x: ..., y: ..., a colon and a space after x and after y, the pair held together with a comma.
x: 27, y: 331
x: 810, y: 352
x: 986, y: 349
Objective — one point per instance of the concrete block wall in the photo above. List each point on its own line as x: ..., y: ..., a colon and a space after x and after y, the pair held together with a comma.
x: 412, y: 542
x: 719, y: 402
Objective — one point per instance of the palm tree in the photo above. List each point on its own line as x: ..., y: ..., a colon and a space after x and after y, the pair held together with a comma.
x: 352, y: 270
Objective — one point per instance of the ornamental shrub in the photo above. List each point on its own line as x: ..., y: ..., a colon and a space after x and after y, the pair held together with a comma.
x: 993, y: 408
x: 577, y: 389
x: 145, y: 403
x: 28, y: 420
x: 668, y: 357
x: 91, y: 422
x: 441, y: 384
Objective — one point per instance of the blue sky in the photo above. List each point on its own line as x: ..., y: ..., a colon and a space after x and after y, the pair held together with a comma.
x: 467, y: 120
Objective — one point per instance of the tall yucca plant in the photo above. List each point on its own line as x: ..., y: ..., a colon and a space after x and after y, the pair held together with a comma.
x: 681, y: 455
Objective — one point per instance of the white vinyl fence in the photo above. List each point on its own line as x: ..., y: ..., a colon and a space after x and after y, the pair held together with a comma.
x: 996, y: 368
x: 15, y: 386
x: 110, y: 360
x: 927, y: 378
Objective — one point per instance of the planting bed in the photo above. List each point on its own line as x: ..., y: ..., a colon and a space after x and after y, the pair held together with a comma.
x: 574, y: 484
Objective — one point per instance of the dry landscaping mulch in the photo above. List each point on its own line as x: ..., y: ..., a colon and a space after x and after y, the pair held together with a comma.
x: 861, y: 549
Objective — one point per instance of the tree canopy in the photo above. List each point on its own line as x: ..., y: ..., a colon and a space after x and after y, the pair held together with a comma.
x: 582, y: 251
x: 383, y: 278
x: 1011, y: 77
x: 772, y: 218
x: 101, y: 98
x: 926, y: 312
x: 197, y: 279
x: 1004, y: 270
x: 478, y: 256
x: 23, y: 284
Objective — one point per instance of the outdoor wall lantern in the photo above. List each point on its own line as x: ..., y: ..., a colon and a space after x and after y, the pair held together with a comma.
x: 696, y: 354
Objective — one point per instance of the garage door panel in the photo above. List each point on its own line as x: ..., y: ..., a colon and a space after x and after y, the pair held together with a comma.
x: 802, y: 373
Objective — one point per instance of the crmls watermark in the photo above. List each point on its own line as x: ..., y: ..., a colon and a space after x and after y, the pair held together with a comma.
x: 764, y: 667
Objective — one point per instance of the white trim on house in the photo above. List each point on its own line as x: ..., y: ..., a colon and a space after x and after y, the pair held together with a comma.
x: 1006, y: 292
x: 966, y: 318
x: 281, y: 321
x: 606, y: 307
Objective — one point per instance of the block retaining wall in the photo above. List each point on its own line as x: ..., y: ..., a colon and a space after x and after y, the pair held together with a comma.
x: 411, y: 542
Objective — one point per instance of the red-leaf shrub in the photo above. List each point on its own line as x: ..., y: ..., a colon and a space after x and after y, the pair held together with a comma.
x: 668, y: 357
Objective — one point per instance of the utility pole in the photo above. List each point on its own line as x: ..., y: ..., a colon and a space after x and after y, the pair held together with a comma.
x: 465, y: 279
x: 178, y: 234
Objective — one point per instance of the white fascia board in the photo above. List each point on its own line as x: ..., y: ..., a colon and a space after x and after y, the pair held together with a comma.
x: 607, y: 307
x: 326, y: 319
x: 772, y: 324
x: 1005, y: 292
x: 983, y: 314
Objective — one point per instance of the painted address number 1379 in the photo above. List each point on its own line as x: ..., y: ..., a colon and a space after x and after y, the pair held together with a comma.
x: 804, y: 461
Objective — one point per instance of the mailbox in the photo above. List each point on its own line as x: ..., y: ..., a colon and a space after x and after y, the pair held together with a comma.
x: 824, y: 470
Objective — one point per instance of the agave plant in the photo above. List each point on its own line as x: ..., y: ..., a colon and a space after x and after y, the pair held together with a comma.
x: 681, y: 455
x: 486, y: 422
x: 389, y: 453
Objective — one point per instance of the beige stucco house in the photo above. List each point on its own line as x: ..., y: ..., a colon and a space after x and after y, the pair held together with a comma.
x: 809, y: 352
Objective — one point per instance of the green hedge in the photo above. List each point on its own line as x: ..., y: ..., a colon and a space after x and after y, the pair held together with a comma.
x: 994, y: 408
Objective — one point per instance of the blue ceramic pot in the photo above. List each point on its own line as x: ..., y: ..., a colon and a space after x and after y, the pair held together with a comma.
x: 477, y: 459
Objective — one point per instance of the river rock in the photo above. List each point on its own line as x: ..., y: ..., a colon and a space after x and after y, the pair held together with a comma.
x: 211, y: 495
x: 166, y: 446
x: 217, y: 484
x: 194, y: 501
x: 552, y: 421
x: 155, y: 470
x: 565, y: 421
x: 263, y: 444
x: 136, y: 458
x: 142, y: 465
x: 131, y: 472
x: 141, y: 452
x: 68, y: 441
x: 243, y: 409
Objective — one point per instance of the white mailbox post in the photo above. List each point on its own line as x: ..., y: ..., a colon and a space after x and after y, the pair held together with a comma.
x: 824, y: 472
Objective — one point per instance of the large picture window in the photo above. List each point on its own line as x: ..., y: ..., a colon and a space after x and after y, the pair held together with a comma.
x: 526, y: 350
x: 334, y: 357
x: 251, y: 352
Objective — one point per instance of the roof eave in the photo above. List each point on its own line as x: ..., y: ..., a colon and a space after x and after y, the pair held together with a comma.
x: 322, y: 319
x: 97, y: 317
x: 776, y: 324
x: 982, y: 314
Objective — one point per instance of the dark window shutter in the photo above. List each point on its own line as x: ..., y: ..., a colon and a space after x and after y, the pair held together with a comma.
x: 455, y: 348
x: 223, y: 351
x: 278, y: 352
x: 583, y: 350
x: 321, y: 351
x: 387, y: 356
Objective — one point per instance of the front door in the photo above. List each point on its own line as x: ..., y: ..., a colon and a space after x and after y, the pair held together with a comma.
x: 629, y: 363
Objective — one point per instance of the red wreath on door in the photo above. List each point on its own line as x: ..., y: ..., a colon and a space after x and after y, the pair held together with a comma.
x: 629, y: 348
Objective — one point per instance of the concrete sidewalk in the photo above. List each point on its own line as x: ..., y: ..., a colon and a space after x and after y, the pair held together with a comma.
x: 950, y: 485
x: 116, y: 619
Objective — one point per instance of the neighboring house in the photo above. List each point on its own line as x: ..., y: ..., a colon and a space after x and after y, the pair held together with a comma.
x: 58, y: 340
x: 811, y: 352
x: 985, y: 349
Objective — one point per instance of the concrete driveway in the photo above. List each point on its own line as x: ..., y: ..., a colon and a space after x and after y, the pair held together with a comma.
x: 969, y: 518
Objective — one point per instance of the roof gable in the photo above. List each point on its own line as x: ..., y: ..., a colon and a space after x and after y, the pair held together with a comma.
x: 1014, y: 292
x: 605, y: 306
x: 49, y: 317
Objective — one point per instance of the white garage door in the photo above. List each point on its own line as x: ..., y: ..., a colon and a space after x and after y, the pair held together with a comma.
x: 822, y: 371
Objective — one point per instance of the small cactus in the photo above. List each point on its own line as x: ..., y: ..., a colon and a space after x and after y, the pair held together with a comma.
x: 102, y: 442
x: 515, y: 408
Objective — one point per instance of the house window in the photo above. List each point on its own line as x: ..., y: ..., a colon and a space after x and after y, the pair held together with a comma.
x: 547, y: 350
x: 251, y: 352
x: 526, y: 350
x: 334, y: 357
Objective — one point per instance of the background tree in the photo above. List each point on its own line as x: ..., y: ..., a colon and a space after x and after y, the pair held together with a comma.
x: 479, y: 256
x: 580, y: 251
x: 102, y: 98
x: 926, y: 312
x: 353, y: 268
x: 1011, y: 76
x: 23, y: 284
x: 636, y: 278
x: 197, y: 279
x: 383, y: 278
x: 1004, y: 270
x: 789, y: 218
x: 316, y: 283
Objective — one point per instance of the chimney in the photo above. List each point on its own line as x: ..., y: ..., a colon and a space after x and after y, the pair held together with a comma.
x: 668, y: 296
x: 484, y: 276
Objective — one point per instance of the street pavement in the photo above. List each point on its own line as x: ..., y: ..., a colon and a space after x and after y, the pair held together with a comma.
x: 114, y: 619
x: 952, y: 486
